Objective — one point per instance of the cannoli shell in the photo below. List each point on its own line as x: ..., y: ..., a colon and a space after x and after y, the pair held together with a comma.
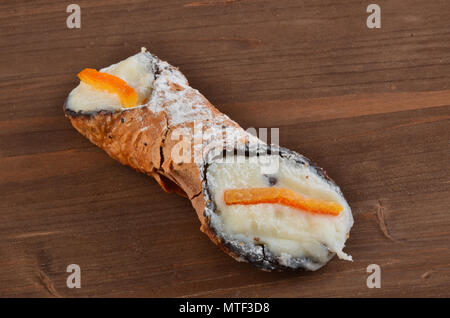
x: 144, y: 137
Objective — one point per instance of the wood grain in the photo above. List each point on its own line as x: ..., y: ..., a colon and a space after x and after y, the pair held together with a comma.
x: 370, y: 106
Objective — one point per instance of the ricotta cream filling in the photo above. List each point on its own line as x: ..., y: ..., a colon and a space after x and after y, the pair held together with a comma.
x: 136, y: 71
x: 284, y: 230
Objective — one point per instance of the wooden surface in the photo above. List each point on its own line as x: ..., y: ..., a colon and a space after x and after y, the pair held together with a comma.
x: 370, y: 106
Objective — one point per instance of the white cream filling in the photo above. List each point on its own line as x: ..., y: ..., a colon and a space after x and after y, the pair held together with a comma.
x: 136, y: 71
x: 284, y: 230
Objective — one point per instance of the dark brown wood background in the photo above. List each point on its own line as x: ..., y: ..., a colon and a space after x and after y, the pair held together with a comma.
x: 370, y: 106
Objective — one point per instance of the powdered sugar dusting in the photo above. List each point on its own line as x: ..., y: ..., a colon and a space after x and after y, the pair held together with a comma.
x: 173, y: 95
x: 184, y: 105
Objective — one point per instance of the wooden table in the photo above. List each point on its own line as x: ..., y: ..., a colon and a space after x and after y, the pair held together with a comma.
x: 371, y: 106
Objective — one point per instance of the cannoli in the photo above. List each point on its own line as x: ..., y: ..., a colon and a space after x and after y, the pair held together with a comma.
x: 258, y: 202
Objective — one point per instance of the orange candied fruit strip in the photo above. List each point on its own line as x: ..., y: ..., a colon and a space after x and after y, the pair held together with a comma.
x: 282, y: 196
x: 111, y: 84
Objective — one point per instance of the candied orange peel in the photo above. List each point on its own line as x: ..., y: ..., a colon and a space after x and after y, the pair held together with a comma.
x: 111, y: 84
x: 281, y: 196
